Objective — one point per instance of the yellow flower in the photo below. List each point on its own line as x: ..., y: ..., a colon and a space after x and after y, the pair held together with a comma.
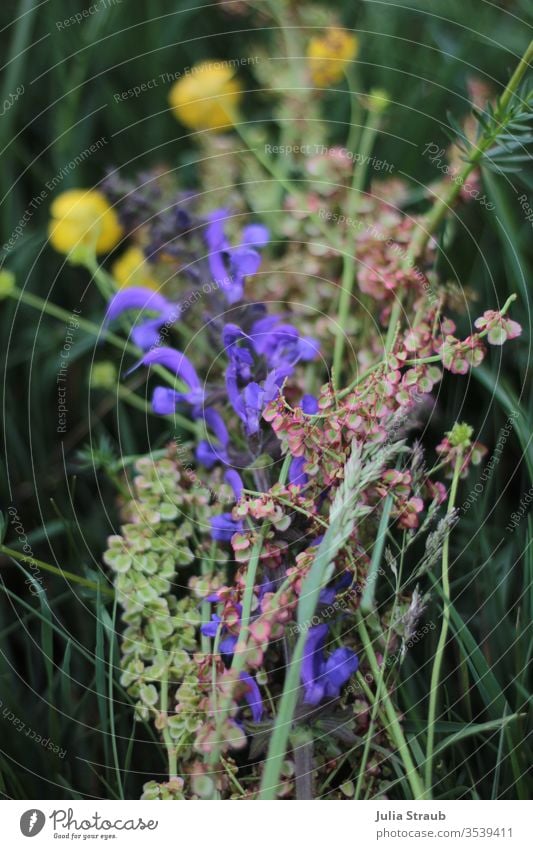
x: 103, y: 375
x: 207, y: 97
x: 7, y: 283
x: 329, y: 53
x: 83, y: 218
x: 377, y: 100
x: 132, y: 269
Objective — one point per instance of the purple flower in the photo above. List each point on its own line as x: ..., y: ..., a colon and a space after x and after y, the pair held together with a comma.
x: 210, y: 629
x: 164, y: 400
x: 256, y: 235
x: 209, y: 452
x: 328, y: 594
x: 250, y: 402
x: 281, y: 345
x: 309, y: 405
x: 224, y: 526
x: 145, y: 334
x: 253, y: 696
x: 321, y: 677
x: 235, y: 481
x: 230, y: 265
x: 239, y: 356
x: 297, y: 476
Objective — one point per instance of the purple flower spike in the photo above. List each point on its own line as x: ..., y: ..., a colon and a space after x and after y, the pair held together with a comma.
x: 230, y: 265
x: 235, y: 481
x: 256, y: 235
x: 323, y: 678
x: 214, y: 232
x: 215, y: 422
x: 209, y: 452
x: 340, y: 665
x: 135, y: 298
x: 146, y: 333
x: 164, y: 400
x: 297, y: 476
x: 240, y: 356
x: 309, y: 405
x: 253, y: 406
x: 209, y: 629
x: 224, y: 526
x: 244, y: 261
x: 313, y: 651
x: 175, y: 361
x: 253, y: 696
x: 308, y: 348
x: 227, y: 645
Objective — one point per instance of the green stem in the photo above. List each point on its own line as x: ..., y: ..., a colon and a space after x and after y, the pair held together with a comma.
x: 54, y: 570
x: 103, y: 280
x: 438, y: 213
x: 99, y: 332
x: 239, y: 657
x: 437, y: 663
x: 91, y: 327
x: 368, y: 138
x: 394, y: 728
x: 138, y: 403
x: 111, y: 697
x: 367, y: 600
x: 433, y: 220
x: 380, y: 683
x: 172, y: 754
x: 278, y: 741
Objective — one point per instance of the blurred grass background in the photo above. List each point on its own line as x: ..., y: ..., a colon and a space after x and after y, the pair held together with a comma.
x: 57, y: 649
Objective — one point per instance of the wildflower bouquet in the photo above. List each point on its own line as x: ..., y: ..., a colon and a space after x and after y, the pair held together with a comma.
x: 284, y: 542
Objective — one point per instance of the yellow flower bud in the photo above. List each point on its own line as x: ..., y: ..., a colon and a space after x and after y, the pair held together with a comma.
x: 378, y: 100
x: 103, y: 375
x: 7, y: 283
x: 83, y: 218
x: 132, y: 269
x: 328, y: 55
x: 207, y: 97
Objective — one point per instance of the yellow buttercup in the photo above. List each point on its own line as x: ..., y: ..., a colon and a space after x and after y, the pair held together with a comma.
x: 132, y: 269
x: 207, y: 97
x: 328, y: 55
x: 83, y: 218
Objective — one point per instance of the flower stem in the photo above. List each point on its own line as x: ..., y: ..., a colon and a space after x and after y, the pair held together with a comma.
x: 368, y: 138
x: 167, y: 737
x: 434, y: 219
x: 367, y: 600
x: 437, y: 663
x: 49, y: 308
x: 54, y: 570
x: 438, y: 212
x: 394, y: 728
x: 96, y: 330
x: 239, y: 656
